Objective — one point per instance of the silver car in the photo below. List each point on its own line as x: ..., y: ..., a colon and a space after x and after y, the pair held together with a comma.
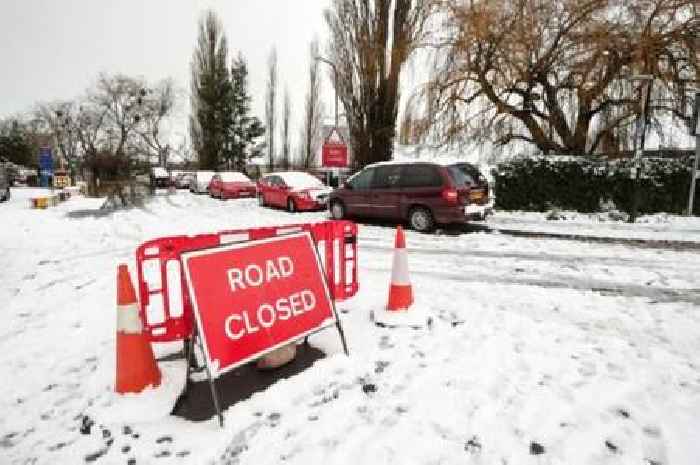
x: 200, y: 182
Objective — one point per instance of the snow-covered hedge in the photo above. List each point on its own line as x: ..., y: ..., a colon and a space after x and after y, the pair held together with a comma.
x: 592, y: 185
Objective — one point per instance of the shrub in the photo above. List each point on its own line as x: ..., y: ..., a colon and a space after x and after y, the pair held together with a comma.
x: 585, y: 184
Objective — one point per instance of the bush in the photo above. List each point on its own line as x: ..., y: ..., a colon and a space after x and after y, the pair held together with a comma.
x: 585, y: 185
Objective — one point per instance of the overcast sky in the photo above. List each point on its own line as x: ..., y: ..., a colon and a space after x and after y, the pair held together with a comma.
x: 55, y: 49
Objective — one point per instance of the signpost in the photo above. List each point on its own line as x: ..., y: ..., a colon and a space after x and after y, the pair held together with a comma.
x: 695, y: 130
x: 335, y: 155
x: 45, y: 166
x: 251, y: 298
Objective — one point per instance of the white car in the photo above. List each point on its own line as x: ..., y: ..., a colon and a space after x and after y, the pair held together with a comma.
x: 200, y: 181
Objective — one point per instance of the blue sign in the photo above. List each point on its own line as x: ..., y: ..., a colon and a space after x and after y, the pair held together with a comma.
x: 45, y: 165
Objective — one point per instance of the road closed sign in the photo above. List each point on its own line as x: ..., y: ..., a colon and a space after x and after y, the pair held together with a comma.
x: 253, y: 297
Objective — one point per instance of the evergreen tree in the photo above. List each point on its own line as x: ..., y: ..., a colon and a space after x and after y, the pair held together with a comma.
x: 210, y: 88
x: 15, y: 145
x: 242, y: 129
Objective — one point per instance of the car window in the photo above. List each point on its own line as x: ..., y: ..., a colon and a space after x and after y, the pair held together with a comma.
x: 459, y: 177
x: 362, y: 179
x: 386, y: 177
x: 420, y: 176
x: 472, y: 173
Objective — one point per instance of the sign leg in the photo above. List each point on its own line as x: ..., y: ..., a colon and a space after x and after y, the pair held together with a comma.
x: 212, y: 387
x: 342, y: 337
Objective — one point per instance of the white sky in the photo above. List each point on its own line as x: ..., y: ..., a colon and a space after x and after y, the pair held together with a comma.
x: 54, y: 49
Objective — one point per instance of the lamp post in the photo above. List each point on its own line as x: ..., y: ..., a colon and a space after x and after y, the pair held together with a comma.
x: 335, y: 83
x: 335, y: 89
x: 639, y: 136
x: 694, y: 174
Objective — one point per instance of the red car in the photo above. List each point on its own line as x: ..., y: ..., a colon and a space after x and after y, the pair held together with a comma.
x: 422, y: 194
x: 293, y: 190
x: 231, y: 185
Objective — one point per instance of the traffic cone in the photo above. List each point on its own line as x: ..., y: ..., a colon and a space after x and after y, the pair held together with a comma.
x: 400, y: 291
x: 136, y: 364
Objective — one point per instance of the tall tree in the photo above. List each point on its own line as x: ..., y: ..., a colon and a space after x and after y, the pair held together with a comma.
x: 59, y: 119
x: 370, y: 41
x: 313, y: 107
x: 243, y: 129
x: 14, y: 143
x: 556, y: 74
x: 270, y: 107
x: 286, y: 115
x: 210, y: 87
x: 157, y: 107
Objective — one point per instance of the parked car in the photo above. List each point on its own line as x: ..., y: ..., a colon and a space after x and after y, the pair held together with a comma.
x: 231, y: 185
x: 183, y: 180
x: 200, y: 181
x: 160, y: 178
x: 422, y: 194
x: 293, y: 190
x: 5, y: 182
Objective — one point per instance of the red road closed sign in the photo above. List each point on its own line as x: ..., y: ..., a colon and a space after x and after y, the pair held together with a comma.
x: 334, y: 155
x: 253, y: 297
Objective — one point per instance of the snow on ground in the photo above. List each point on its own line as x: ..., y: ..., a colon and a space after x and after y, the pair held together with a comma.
x: 541, y: 351
x: 661, y: 226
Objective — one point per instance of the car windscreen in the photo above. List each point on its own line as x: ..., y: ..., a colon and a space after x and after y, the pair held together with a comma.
x: 234, y: 176
x: 472, y: 172
x: 459, y: 177
x: 297, y: 180
x: 205, y: 175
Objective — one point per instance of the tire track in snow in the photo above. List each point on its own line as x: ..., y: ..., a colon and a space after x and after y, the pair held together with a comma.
x: 607, y: 288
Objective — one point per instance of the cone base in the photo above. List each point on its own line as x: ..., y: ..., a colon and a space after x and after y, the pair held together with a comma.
x: 415, y: 318
x: 400, y: 298
x: 136, y: 365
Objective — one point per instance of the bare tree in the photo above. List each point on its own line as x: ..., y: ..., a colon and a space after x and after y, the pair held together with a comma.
x: 370, y: 40
x: 158, y: 106
x: 311, y: 131
x: 123, y: 100
x: 286, y: 115
x: 270, y: 107
x: 59, y: 119
x: 556, y: 74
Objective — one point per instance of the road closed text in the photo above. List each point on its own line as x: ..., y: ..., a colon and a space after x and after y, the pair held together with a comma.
x: 248, y: 321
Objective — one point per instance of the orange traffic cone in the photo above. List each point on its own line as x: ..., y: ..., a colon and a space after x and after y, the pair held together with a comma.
x: 136, y: 365
x: 400, y: 291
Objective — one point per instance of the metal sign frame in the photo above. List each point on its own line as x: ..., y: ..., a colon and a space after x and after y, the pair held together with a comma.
x: 197, y: 339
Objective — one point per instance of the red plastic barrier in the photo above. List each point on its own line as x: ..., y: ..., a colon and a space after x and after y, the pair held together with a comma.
x: 164, y: 302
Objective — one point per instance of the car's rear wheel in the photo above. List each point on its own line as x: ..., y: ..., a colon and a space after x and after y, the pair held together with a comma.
x: 420, y: 219
x: 261, y: 200
x: 337, y: 210
x: 6, y: 196
x: 291, y: 206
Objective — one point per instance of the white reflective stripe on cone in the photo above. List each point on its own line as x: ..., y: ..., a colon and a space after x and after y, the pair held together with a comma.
x: 128, y: 320
x: 399, y: 270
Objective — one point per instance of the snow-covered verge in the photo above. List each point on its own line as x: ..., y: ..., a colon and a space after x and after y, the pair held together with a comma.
x: 541, y: 351
x: 660, y: 226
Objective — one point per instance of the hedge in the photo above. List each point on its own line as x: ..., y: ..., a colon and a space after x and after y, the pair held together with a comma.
x: 587, y: 185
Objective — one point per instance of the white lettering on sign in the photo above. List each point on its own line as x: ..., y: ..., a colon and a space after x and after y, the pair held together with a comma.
x: 255, y: 275
x: 238, y: 325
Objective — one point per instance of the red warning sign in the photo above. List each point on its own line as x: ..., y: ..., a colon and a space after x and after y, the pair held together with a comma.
x: 253, y: 297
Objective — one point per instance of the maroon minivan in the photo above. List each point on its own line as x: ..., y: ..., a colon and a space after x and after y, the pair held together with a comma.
x: 422, y: 194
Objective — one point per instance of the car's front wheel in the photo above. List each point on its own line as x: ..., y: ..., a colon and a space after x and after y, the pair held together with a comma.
x: 261, y: 200
x: 6, y: 196
x: 420, y: 219
x: 337, y: 210
x: 291, y: 206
